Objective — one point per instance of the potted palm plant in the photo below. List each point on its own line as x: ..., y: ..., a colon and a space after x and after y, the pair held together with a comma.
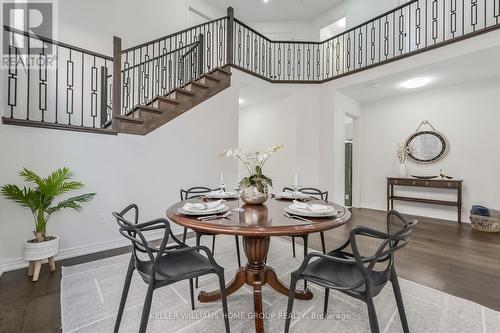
x: 40, y: 200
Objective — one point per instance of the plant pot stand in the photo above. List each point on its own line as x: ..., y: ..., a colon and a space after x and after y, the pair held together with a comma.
x: 36, y: 265
x: 36, y: 252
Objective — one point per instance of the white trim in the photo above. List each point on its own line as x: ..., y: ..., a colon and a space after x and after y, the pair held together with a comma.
x: 17, y: 263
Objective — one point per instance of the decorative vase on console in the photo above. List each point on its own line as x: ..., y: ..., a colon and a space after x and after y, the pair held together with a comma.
x: 255, y: 187
x: 402, y: 153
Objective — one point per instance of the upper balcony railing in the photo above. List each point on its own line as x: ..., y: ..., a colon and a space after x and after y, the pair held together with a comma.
x: 83, y: 90
x: 414, y: 27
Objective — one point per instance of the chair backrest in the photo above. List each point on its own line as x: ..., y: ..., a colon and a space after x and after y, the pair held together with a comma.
x: 323, y: 195
x: 134, y: 232
x: 391, y: 241
x: 195, y: 192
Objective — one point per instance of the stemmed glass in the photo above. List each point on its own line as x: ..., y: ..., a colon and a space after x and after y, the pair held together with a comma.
x: 295, y: 185
x: 237, y: 187
x: 222, y: 184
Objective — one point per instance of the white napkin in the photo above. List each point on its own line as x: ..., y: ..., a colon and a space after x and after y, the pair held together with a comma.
x: 312, y: 207
x: 290, y: 195
x: 201, y: 206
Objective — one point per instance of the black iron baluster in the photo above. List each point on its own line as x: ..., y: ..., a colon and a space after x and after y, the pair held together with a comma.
x: 247, y: 53
x: 434, y: 20
x: 263, y: 60
x: 401, y: 32
x: 279, y: 61
x: 473, y: 14
x: 221, y: 43
x: 299, y: 62
x: 28, y: 81
x: 145, y: 78
x: 170, y: 67
x: 386, y: 37
x: 209, y: 49
x: 417, y: 25
x: 126, y: 85
x: 12, y: 80
x: 255, y: 54
x: 133, y: 78
x: 288, y: 61
x: 453, y: 18
x: 93, y: 93
x: 496, y: 10
x: 360, y: 48
x: 372, y: 43
x: 327, y: 72
x: 82, y: 86
x: 69, y: 86
x: 308, y: 61
x: 239, y: 44
x: 164, y: 62
x: 42, y: 85
x: 337, y: 56
x: 348, y: 52
x: 318, y: 63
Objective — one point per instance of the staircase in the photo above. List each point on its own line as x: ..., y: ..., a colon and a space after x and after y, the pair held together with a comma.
x: 144, y: 119
x: 139, y: 89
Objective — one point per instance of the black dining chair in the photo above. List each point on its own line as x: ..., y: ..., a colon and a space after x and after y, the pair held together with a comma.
x: 199, y: 192
x: 165, y: 265
x: 320, y: 195
x: 355, y: 275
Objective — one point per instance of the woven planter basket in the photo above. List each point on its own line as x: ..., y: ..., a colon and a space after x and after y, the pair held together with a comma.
x: 486, y: 223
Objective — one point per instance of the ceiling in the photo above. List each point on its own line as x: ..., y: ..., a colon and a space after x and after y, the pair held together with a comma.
x: 475, y: 66
x: 281, y: 10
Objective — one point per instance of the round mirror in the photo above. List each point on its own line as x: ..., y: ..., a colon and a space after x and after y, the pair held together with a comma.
x: 426, y: 146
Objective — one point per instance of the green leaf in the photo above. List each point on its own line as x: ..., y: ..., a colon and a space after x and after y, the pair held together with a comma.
x: 74, y: 203
x: 258, y: 171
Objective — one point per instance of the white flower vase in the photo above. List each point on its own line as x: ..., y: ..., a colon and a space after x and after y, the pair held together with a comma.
x: 402, y: 170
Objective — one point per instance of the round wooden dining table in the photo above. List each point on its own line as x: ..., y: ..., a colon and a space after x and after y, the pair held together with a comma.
x: 256, y: 224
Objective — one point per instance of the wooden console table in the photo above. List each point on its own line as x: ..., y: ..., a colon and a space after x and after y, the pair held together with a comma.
x: 452, y: 184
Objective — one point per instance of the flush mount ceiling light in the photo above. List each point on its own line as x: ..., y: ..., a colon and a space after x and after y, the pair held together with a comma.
x: 241, y: 101
x: 266, y: 1
x: 416, y: 83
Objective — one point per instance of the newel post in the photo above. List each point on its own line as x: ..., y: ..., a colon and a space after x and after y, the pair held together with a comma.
x: 117, y: 82
x: 230, y: 35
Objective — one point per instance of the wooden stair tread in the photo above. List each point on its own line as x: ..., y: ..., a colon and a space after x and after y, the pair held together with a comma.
x: 210, y: 77
x: 149, y: 109
x: 219, y: 69
x: 167, y: 99
x: 130, y: 119
x: 198, y: 84
x: 183, y: 91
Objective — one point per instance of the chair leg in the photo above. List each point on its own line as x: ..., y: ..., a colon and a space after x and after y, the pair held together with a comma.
x: 325, y: 306
x: 213, y: 245
x: 238, y: 249
x: 372, y: 314
x: 293, y: 246
x: 147, y: 306
x: 198, y: 237
x: 399, y: 301
x: 223, y: 292
x: 184, y: 235
x: 291, y: 297
x: 126, y: 287
x: 191, y: 290
x: 323, y: 247
x: 306, y: 247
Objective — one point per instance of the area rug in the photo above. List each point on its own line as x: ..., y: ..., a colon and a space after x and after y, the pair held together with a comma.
x: 90, y: 294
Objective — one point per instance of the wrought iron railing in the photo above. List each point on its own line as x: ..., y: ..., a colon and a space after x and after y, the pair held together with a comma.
x: 81, y: 89
x: 414, y: 27
x: 155, y: 68
x: 67, y: 86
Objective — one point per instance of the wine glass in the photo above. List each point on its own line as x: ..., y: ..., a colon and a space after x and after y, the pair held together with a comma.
x: 222, y: 184
x: 237, y: 187
x: 295, y: 185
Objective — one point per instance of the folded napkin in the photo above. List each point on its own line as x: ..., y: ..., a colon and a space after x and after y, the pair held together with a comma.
x: 200, y: 206
x: 221, y: 193
x: 312, y: 207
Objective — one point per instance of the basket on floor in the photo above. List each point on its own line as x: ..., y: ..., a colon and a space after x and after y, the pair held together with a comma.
x: 486, y: 223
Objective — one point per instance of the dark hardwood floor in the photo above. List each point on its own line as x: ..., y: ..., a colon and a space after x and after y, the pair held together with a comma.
x: 458, y: 261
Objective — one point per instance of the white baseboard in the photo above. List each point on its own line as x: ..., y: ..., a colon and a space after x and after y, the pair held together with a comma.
x: 17, y: 263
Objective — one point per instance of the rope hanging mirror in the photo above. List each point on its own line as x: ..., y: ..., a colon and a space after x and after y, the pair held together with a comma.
x: 426, y: 145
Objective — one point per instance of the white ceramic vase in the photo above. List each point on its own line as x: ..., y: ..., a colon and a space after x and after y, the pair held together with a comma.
x: 402, y: 170
x: 34, y: 251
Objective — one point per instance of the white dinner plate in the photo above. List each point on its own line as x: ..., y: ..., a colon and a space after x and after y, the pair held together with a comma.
x: 291, y: 196
x: 225, y: 195
x: 307, y: 213
x: 217, y: 210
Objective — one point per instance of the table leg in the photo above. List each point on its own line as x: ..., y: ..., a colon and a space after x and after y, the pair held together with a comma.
x: 255, y: 274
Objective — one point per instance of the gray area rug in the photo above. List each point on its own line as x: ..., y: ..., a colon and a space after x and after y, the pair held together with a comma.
x: 90, y: 294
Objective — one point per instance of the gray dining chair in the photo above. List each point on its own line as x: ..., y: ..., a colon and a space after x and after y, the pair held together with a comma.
x: 320, y: 195
x: 200, y: 192
x: 163, y: 266
x: 361, y: 277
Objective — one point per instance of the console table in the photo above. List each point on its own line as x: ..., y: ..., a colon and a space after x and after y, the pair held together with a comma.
x: 452, y: 184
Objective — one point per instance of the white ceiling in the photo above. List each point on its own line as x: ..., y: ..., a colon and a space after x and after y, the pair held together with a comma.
x: 282, y: 10
x: 458, y: 70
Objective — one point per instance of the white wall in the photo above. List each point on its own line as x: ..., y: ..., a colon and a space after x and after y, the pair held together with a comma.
x: 122, y: 169
x: 291, y: 121
x: 297, y: 30
x: 467, y: 115
x: 91, y: 24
